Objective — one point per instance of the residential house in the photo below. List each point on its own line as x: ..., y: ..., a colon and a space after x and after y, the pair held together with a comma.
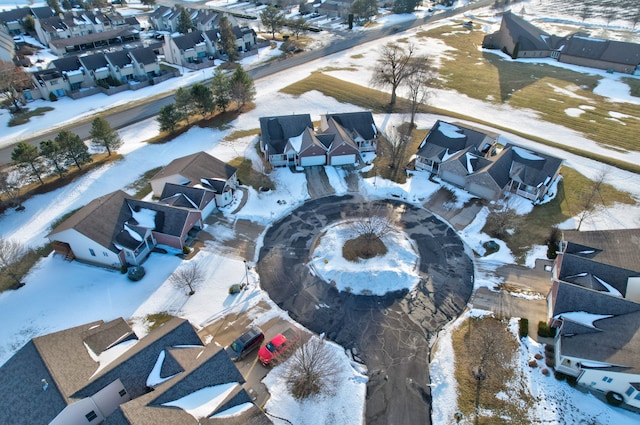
x: 619, y: 56
x: 73, y: 73
x: 121, y: 65
x: 291, y: 140
x: 64, y: 378
x: 48, y: 82
x: 465, y: 158
x: 189, y: 49
x: 146, y: 64
x: 520, y: 39
x: 166, y: 19
x: 594, y: 303
x: 116, y: 230
x: 200, y: 179
x: 359, y: 125
x: 335, y: 8
x: 95, y: 66
x: 275, y: 136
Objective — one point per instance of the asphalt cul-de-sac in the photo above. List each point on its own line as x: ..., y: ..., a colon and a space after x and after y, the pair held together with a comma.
x: 389, y: 333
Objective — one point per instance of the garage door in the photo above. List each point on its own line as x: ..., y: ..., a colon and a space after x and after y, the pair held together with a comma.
x: 453, y: 178
x: 481, y: 191
x: 343, y: 159
x: 307, y: 161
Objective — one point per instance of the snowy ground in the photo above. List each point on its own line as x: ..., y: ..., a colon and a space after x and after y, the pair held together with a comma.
x: 59, y: 295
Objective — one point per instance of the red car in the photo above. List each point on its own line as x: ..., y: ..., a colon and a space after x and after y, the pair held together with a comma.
x: 277, y: 346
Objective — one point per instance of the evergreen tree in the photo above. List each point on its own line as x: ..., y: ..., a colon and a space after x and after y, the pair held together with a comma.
x: 221, y: 90
x: 54, y: 155
x: 405, y: 6
x: 75, y: 150
x: 55, y: 5
x: 148, y: 3
x: 202, y: 98
x: 25, y: 155
x: 273, y: 20
x: 183, y: 103
x: 168, y: 118
x: 228, y: 39
x: 184, y: 21
x: 103, y: 136
x: 243, y: 89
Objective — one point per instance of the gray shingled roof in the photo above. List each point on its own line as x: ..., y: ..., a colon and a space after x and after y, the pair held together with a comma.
x: 437, y: 143
x: 197, y: 166
x: 143, y: 55
x: 574, y: 267
x: 529, y: 36
x: 93, y: 62
x: 66, y: 64
x: 118, y: 58
x: 356, y: 122
x: 572, y: 297
x: 605, y: 50
x: 14, y: 15
x: 188, y: 40
x: 106, y: 335
x: 182, y: 196
x: 617, y: 343
x: 276, y: 131
x: 614, y: 247
x: 21, y: 389
x: 91, y: 38
x: 135, y: 365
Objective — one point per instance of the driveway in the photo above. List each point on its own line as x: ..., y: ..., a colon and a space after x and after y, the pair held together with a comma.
x: 390, y: 333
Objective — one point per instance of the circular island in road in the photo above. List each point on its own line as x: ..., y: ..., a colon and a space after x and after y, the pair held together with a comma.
x: 390, y: 333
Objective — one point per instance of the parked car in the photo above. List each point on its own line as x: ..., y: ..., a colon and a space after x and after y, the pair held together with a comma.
x: 245, y: 344
x: 278, y: 346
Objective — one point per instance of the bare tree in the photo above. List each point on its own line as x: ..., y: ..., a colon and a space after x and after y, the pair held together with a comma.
x: 188, y: 276
x: 10, y: 188
x: 418, y: 82
x: 372, y: 224
x: 585, y: 11
x: 392, y: 68
x: 312, y: 369
x: 398, y: 138
x: 592, y: 199
x: 13, y: 79
x: 11, y: 252
x: 488, y: 355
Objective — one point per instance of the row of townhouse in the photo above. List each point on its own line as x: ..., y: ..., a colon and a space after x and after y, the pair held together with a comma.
x: 594, y: 303
x: 73, y: 31
x: 291, y: 140
x: 469, y: 158
x: 78, y: 76
x: 521, y: 39
x: 117, y: 230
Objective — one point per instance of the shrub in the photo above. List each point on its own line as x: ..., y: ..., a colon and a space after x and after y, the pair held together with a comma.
x: 545, y: 371
x: 559, y: 375
x: 53, y: 97
x: 234, y: 289
x: 614, y: 398
x: 123, y: 269
x: 103, y: 84
x: 545, y: 331
x: 523, y: 328
x: 538, y: 356
x: 186, y: 249
x: 533, y: 363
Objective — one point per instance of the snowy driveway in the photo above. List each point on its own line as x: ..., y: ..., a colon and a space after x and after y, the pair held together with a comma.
x: 389, y: 333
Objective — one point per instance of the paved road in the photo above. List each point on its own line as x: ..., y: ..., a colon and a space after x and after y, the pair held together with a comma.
x: 389, y: 333
x: 150, y: 107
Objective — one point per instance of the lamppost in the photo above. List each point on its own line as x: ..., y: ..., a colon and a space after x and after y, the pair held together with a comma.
x: 246, y: 272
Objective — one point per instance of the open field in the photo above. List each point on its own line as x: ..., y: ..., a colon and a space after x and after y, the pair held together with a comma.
x: 560, y: 96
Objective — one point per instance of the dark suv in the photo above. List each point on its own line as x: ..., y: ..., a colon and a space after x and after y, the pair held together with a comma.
x: 245, y: 344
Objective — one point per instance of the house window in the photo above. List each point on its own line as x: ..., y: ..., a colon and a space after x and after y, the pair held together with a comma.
x: 629, y: 391
x: 91, y: 416
x: 607, y: 379
x: 637, y: 397
x: 92, y: 252
x: 122, y: 392
x: 106, y: 254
